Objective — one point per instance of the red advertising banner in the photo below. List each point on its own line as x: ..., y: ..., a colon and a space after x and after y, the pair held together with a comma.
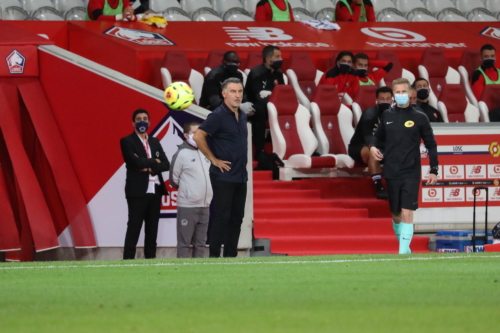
x: 466, y: 161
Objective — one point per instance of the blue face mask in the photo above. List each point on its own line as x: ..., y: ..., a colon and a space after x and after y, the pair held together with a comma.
x: 141, y: 126
x: 401, y: 99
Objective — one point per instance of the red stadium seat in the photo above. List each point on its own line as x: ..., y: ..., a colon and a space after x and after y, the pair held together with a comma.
x: 434, y: 67
x: 215, y: 59
x: 303, y: 76
x: 454, y: 107
x: 470, y: 61
x: 332, y: 123
x: 293, y: 140
x: 175, y: 67
x: 364, y: 99
x: 397, y: 70
x: 490, y: 100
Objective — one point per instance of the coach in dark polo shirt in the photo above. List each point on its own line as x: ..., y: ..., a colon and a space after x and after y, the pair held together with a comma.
x: 227, y: 127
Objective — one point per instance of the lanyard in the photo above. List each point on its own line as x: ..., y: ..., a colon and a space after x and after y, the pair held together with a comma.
x: 146, y: 147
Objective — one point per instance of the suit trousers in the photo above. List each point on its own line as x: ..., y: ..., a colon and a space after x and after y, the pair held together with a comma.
x: 229, y: 199
x: 143, y: 209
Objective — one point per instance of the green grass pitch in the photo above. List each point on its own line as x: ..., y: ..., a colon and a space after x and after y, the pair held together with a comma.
x: 356, y: 293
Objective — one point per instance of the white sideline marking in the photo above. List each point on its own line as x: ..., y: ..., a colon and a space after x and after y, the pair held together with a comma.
x: 253, y: 262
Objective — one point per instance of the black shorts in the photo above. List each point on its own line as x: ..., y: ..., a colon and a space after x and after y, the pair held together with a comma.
x: 403, y: 193
x: 354, y: 151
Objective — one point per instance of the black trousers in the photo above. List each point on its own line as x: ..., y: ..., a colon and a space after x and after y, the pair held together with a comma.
x: 229, y: 199
x: 259, y: 120
x: 143, y: 209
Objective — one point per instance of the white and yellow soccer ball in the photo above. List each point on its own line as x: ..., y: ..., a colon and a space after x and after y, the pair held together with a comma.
x: 179, y: 96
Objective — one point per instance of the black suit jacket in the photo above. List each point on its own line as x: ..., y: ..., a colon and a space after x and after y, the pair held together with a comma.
x: 136, y: 159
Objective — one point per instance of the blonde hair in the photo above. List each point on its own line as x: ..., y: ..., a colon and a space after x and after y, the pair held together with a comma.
x: 401, y: 81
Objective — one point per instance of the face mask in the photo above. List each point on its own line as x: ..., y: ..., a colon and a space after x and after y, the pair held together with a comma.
x: 277, y: 64
x: 141, y: 126
x: 383, y: 106
x: 231, y: 68
x: 423, y: 93
x: 401, y: 99
x: 361, y: 72
x: 344, y: 68
x: 413, y: 104
x: 488, y: 63
x: 191, y: 141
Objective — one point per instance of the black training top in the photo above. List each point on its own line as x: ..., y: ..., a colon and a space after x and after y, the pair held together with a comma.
x: 228, y: 142
x: 260, y: 78
x: 402, y: 130
x: 431, y: 113
x: 368, y: 123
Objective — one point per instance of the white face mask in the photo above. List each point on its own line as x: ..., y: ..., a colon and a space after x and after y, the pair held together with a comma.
x: 191, y: 141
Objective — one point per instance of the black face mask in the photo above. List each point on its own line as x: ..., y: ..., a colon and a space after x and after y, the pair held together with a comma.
x: 344, y: 68
x: 277, y: 64
x: 423, y: 93
x: 361, y: 72
x: 231, y: 68
x: 488, y: 63
x: 383, y: 106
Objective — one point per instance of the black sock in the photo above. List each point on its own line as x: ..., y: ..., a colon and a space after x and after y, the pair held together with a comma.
x: 377, y: 180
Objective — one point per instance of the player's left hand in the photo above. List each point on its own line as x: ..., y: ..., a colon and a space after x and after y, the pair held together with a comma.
x: 432, y: 179
x: 128, y: 13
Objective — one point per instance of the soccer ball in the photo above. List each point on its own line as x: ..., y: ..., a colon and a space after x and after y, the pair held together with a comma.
x: 179, y: 96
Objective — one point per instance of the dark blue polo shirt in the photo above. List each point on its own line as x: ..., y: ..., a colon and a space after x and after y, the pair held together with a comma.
x: 228, y: 142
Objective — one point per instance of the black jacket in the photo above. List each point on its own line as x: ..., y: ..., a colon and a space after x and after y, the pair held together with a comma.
x: 135, y: 158
x: 368, y: 123
x: 431, y: 112
x: 260, y: 78
x: 211, y: 93
x: 402, y: 130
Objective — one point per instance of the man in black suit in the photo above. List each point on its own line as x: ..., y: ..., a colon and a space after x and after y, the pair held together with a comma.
x: 145, y: 161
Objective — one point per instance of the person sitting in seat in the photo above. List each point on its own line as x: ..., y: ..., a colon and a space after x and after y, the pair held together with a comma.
x: 486, y: 74
x: 273, y: 10
x: 342, y: 76
x: 361, y: 67
x: 110, y: 10
x: 355, y: 10
x: 423, y: 90
x: 359, y: 147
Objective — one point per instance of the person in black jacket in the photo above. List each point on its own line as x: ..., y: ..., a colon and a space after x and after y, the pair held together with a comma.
x: 423, y: 90
x: 211, y: 93
x: 145, y: 160
x: 401, y: 128
x: 363, y: 135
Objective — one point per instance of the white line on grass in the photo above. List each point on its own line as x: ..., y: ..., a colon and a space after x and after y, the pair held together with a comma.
x: 253, y: 262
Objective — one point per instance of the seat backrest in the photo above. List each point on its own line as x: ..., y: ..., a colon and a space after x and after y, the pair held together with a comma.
x: 453, y: 96
x: 178, y: 65
x: 491, y: 96
x: 365, y: 97
x: 396, y: 71
x: 493, y: 5
x: 329, y: 107
x: 253, y: 59
x: 471, y: 60
x: 435, y: 6
x: 467, y: 5
x: 379, y: 5
x: 408, y: 5
x: 303, y: 66
x: 435, y: 62
x: 214, y: 58
x: 285, y: 101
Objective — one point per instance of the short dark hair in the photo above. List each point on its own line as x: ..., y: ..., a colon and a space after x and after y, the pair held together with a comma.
x: 344, y: 53
x: 361, y: 56
x: 383, y: 90
x: 419, y: 79
x: 488, y: 47
x: 139, y: 111
x: 188, y: 124
x: 228, y: 54
x: 230, y: 80
x: 268, y: 51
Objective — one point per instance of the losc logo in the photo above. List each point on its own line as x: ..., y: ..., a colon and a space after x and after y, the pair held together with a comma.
x: 393, y: 34
x: 139, y: 36
x: 491, y: 32
x: 259, y: 33
x: 16, y: 62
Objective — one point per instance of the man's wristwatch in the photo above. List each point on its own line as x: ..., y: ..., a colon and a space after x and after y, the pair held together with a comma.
x: 434, y: 170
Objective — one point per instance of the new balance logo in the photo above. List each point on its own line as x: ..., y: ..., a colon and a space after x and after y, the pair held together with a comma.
x: 455, y: 192
x: 476, y: 169
x: 259, y: 33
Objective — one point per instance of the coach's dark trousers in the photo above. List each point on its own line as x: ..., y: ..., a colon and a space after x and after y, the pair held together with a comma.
x: 143, y: 209
x: 229, y: 199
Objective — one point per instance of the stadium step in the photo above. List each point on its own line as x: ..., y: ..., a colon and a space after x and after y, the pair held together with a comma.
x: 273, y: 194
x: 310, y: 214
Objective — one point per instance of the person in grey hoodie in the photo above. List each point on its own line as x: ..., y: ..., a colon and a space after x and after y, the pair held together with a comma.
x: 189, y: 174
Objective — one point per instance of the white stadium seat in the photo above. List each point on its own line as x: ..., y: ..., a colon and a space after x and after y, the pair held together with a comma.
x: 14, y: 13
x: 480, y: 15
x: 451, y: 15
x: 47, y: 13
x: 65, y: 5
x: 9, y: 3
x: 205, y: 14
x: 237, y: 14
x: 302, y: 14
x: 420, y: 15
x: 406, y: 6
x: 190, y: 6
x: 222, y: 6
x: 380, y: 5
x: 296, y: 4
x: 176, y: 14
x: 159, y: 6
x: 436, y: 6
x: 32, y: 5
x: 390, y: 15
x: 250, y: 6
x: 314, y: 6
x: 466, y: 6
x: 76, y: 14
x: 493, y: 6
